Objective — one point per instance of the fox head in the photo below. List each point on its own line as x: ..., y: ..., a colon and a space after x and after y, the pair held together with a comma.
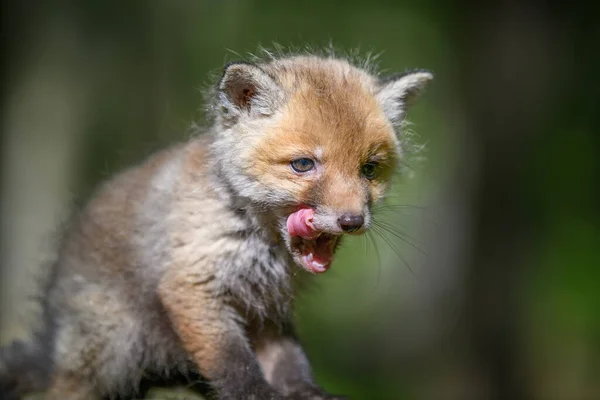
x: 311, y: 142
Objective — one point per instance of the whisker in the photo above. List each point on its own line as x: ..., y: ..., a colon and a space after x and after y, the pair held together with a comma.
x: 391, y: 206
x: 404, y: 163
x: 406, y: 210
x: 374, y: 243
x: 394, y: 249
x: 398, y: 195
x: 385, y: 206
x: 401, y: 235
x: 397, y: 224
x: 363, y: 245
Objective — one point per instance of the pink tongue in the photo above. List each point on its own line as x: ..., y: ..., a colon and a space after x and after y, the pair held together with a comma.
x: 316, y: 254
x: 300, y: 224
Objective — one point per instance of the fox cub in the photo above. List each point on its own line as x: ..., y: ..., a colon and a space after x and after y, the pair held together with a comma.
x: 186, y: 262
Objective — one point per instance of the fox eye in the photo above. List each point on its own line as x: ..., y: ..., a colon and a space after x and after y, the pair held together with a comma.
x: 302, y: 164
x: 369, y: 170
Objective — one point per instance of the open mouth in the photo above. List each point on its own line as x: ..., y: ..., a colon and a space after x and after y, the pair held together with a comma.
x: 311, y: 248
x: 315, y: 255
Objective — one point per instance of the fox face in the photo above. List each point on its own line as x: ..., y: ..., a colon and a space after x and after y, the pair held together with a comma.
x: 313, y: 143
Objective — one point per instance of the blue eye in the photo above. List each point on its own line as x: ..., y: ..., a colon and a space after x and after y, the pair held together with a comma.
x: 302, y: 165
x: 369, y: 170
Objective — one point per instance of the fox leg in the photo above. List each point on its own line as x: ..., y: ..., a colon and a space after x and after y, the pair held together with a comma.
x: 74, y: 363
x: 65, y: 386
x: 286, y: 366
x: 210, y: 332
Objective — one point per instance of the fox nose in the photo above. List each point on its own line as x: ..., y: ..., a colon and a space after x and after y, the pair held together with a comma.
x: 350, y: 223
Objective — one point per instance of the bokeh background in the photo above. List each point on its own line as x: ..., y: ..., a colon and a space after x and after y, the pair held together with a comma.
x: 482, y: 279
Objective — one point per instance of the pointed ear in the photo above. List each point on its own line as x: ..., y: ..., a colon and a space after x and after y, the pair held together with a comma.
x: 246, y: 88
x: 397, y: 93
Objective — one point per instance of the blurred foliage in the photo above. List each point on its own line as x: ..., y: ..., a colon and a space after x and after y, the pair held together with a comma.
x: 415, y: 310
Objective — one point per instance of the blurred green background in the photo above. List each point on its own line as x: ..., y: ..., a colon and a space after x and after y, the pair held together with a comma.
x: 482, y: 280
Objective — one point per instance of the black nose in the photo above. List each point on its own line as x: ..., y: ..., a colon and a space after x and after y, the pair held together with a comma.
x: 351, y: 223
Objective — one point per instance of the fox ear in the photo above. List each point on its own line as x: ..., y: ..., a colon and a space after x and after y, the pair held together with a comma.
x: 398, y: 92
x: 246, y: 88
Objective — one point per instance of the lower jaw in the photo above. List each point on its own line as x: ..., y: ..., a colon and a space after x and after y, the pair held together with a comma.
x: 311, y: 263
x: 312, y: 267
x: 307, y: 254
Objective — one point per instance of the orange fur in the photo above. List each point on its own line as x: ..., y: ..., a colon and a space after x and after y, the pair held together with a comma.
x: 331, y: 108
